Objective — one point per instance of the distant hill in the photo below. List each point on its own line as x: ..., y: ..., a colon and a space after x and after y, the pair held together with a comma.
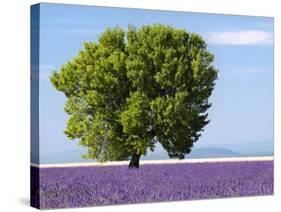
x: 196, y: 153
x: 245, y: 150
x: 212, y: 153
x: 70, y: 156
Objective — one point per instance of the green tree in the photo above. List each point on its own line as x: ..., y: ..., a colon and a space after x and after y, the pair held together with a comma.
x: 129, y: 90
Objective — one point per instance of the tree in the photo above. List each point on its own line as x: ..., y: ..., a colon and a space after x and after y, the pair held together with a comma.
x: 129, y: 90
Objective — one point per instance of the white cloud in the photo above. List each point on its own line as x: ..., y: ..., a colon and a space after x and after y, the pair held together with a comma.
x: 246, y: 37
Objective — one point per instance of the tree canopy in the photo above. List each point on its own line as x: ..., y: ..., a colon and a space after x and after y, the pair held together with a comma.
x: 131, y: 89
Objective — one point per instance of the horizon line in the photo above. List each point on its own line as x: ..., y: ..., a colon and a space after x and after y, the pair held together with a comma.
x: 147, y: 162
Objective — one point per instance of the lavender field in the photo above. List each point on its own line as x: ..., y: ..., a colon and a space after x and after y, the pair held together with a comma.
x: 94, y: 186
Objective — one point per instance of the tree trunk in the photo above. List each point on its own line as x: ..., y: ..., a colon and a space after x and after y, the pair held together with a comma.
x: 135, y: 161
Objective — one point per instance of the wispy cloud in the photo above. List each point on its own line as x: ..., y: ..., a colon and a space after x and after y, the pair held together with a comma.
x: 253, y: 70
x: 245, y: 37
x: 46, y: 67
x: 72, y: 31
x: 238, y: 70
x: 45, y: 70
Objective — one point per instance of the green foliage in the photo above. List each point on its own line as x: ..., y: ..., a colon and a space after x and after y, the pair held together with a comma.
x: 127, y: 91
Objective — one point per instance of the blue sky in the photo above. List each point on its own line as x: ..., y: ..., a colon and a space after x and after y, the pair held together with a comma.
x: 242, y: 111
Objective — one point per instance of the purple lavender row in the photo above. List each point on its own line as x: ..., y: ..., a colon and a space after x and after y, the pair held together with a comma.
x: 95, y: 186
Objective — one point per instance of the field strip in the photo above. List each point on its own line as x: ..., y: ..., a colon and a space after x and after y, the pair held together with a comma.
x: 142, y: 162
